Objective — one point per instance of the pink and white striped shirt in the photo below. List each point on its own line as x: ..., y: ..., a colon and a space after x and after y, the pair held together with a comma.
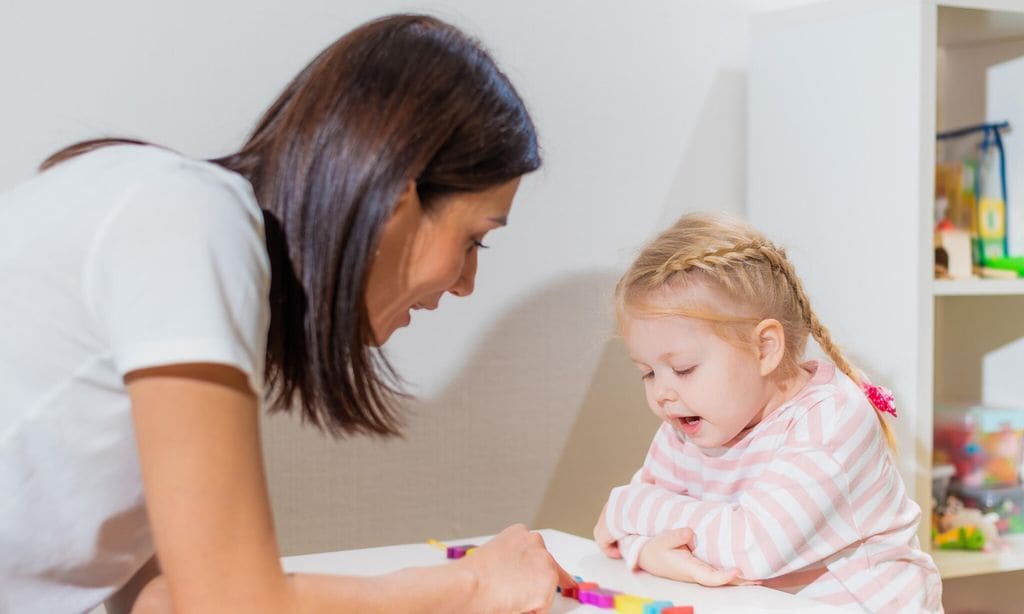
x: 808, y: 501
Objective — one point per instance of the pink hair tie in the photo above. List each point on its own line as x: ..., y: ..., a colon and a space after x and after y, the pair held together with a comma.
x: 881, y: 397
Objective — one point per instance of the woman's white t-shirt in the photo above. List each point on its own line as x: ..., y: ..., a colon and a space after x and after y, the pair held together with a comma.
x: 123, y: 258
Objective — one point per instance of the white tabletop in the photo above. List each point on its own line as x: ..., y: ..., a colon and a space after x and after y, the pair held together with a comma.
x: 578, y: 556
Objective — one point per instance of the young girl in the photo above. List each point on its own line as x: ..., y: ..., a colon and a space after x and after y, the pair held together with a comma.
x: 770, y: 469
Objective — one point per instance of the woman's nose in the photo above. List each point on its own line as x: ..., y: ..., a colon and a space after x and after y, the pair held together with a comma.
x: 463, y: 286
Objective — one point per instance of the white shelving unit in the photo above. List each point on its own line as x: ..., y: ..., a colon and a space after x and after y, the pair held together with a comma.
x: 960, y: 564
x: 845, y: 99
x: 978, y: 287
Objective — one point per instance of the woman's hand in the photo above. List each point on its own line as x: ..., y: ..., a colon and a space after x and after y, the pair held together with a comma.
x: 515, y: 573
x: 669, y: 555
x: 608, y: 544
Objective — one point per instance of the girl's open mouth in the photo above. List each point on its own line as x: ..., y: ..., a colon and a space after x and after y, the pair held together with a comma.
x: 690, y: 425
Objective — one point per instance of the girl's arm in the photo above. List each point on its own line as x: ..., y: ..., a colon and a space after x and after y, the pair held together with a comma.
x: 206, y: 496
x: 798, y: 513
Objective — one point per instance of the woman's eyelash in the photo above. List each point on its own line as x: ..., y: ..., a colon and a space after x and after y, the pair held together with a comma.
x: 479, y: 244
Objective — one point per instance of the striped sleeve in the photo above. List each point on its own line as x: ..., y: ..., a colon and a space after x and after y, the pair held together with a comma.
x: 795, y: 515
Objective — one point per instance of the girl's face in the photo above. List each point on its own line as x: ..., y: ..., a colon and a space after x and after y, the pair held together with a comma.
x: 423, y: 254
x: 707, y: 389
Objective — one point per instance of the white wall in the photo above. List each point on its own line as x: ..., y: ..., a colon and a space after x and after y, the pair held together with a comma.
x: 527, y: 410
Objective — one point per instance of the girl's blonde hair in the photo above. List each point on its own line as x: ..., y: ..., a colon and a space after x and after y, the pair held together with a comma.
x: 737, y: 263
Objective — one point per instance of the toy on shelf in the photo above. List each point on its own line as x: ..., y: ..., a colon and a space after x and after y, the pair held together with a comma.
x: 982, y: 443
x: 1005, y: 505
x: 970, y: 206
x: 952, y: 252
x: 963, y: 528
x: 961, y: 538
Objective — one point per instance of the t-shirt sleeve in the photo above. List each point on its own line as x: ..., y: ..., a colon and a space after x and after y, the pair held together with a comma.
x: 179, y: 273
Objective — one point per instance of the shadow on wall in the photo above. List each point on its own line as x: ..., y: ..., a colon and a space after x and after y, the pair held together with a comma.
x: 606, y: 444
x: 711, y: 173
x: 596, y: 458
x: 487, y: 451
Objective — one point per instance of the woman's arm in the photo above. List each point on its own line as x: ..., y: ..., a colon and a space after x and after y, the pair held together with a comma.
x: 125, y: 598
x: 199, y: 448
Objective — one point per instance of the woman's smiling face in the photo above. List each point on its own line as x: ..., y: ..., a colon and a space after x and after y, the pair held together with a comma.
x: 424, y: 254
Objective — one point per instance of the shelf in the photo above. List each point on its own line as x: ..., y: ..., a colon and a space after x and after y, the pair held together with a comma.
x: 970, y: 22
x: 977, y: 287
x: 961, y: 564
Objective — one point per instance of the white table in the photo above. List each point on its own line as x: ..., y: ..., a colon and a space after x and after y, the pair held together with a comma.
x: 579, y: 557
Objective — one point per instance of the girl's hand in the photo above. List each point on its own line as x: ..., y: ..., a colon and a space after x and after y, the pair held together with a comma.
x: 514, y: 573
x: 608, y: 544
x: 669, y: 555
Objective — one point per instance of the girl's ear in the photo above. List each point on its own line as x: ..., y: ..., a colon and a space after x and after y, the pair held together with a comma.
x: 770, y: 340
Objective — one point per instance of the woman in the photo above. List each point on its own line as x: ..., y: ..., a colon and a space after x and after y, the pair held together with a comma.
x: 153, y: 301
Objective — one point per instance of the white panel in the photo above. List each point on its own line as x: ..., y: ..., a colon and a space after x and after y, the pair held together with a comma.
x: 836, y: 153
x: 1001, y: 383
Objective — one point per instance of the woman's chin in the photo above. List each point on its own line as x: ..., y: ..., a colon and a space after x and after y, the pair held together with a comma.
x: 400, y: 321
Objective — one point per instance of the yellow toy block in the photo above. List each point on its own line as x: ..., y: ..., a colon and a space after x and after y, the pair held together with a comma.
x: 630, y: 604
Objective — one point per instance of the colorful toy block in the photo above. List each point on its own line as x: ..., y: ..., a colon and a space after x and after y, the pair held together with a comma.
x: 457, y: 552
x: 587, y: 595
x: 604, y: 599
x: 630, y: 604
x: 656, y: 607
x: 679, y: 609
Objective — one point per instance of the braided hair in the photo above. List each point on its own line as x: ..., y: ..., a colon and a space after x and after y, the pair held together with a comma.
x: 739, y: 264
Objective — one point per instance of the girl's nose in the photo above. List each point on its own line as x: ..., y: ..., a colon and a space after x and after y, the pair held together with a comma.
x: 665, y: 393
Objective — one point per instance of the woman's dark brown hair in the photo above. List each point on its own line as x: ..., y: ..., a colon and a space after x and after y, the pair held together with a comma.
x: 406, y: 97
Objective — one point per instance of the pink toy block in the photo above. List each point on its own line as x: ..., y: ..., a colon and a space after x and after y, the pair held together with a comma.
x: 587, y: 595
x: 585, y: 587
x: 457, y: 552
x: 604, y: 599
x: 679, y: 609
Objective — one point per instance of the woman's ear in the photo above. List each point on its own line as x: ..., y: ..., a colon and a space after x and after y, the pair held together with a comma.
x: 406, y: 211
x: 770, y: 340
x: 408, y: 198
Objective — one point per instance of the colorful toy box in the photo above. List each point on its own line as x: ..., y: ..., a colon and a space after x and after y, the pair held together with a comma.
x: 984, y: 444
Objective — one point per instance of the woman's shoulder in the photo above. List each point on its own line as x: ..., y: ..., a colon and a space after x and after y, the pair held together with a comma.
x: 156, y: 168
x: 147, y: 176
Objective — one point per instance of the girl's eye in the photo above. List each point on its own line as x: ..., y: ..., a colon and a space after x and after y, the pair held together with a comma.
x: 685, y: 371
x: 647, y: 375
